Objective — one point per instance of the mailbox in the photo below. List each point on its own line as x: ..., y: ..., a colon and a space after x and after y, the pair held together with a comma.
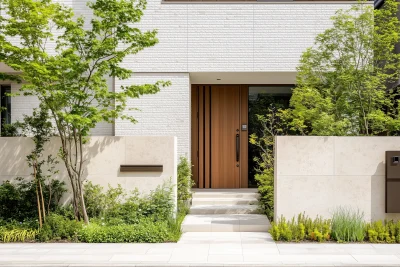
x: 392, y: 181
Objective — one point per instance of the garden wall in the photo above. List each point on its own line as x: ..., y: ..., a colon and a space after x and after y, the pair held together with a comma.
x: 104, y: 156
x: 316, y: 174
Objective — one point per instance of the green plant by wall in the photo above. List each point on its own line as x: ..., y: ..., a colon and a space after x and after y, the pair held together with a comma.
x: 18, y: 198
x: 348, y: 225
x: 146, y: 231
x: 58, y: 227
x: 185, y: 181
x: 17, y: 235
x: 300, y: 229
x: 383, y: 232
x: 11, y: 129
x: 115, y: 205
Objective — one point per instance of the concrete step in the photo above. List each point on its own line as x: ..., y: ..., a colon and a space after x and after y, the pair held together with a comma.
x: 224, y: 209
x: 224, y: 201
x: 226, y: 193
x: 226, y: 223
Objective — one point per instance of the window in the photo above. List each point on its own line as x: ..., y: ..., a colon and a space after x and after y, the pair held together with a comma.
x: 5, y: 103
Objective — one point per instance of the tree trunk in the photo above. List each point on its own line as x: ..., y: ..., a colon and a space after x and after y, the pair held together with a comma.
x: 42, y: 200
x: 37, y: 196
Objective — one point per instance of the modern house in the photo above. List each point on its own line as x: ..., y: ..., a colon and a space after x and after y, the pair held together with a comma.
x: 219, y: 56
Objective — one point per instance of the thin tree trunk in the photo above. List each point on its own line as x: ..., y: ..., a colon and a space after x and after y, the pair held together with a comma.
x: 37, y: 196
x: 41, y: 196
x: 49, y: 201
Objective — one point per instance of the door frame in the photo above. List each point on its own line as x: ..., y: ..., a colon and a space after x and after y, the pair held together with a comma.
x: 200, y: 135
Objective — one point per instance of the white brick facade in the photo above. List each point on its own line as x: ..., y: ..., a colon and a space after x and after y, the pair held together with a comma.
x: 207, y: 37
x: 165, y: 113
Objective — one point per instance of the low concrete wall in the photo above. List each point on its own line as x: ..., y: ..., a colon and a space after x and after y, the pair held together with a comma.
x: 317, y: 174
x: 104, y: 156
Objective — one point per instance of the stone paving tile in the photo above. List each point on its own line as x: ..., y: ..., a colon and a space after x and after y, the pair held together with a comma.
x: 377, y: 258
x: 160, y: 251
x: 189, y: 257
x: 252, y: 251
x: 140, y: 258
x: 225, y: 258
x: 74, y: 258
x: 19, y: 258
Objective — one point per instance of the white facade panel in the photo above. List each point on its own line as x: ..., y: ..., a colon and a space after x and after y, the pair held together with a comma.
x: 206, y: 37
x: 165, y: 113
x: 197, y: 37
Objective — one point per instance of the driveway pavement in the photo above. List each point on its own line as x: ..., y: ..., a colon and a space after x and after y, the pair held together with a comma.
x: 202, y: 249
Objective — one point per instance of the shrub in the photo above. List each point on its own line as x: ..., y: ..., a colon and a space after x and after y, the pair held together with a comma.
x: 17, y: 235
x: 11, y: 129
x: 387, y: 231
x: 100, y: 203
x: 116, y: 207
x: 146, y: 231
x: 348, y: 225
x: 185, y: 181
x: 58, y: 227
x: 18, y: 199
x: 265, y: 183
x: 300, y: 229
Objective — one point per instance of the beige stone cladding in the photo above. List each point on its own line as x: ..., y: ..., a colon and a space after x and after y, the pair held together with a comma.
x: 317, y: 174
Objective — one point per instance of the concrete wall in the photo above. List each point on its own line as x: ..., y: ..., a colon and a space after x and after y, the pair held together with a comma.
x: 104, y: 156
x: 317, y: 174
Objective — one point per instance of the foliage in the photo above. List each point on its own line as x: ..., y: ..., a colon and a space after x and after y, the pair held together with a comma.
x: 300, y: 229
x: 11, y: 129
x: 271, y: 125
x: 342, y: 82
x: 115, y: 206
x: 71, y: 80
x: 18, y: 198
x: 348, y: 225
x: 146, y: 231
x: 17, y: 235
x: 58, y: 227
x: 387, y: 231
x: 39, y: 126
x: 100, y: 203
x: 185, y: 181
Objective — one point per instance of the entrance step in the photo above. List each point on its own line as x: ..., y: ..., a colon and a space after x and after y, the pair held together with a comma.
x: 226, y: 223
x: 196, y: 201
x: 225, y: 193
x: 224, y: 209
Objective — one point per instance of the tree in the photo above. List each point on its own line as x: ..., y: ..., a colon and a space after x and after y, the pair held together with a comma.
x: 270, y: 125
x: 64, y: 61
x: 345, y: 81
x: 41, y: 129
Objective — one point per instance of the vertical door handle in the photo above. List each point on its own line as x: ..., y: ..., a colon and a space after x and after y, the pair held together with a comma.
x: 237, y: 148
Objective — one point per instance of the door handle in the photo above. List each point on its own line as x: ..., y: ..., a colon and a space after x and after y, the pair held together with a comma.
x: 237, y: 148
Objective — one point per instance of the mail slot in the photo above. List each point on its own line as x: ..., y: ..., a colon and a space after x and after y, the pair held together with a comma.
x: 392, y: 182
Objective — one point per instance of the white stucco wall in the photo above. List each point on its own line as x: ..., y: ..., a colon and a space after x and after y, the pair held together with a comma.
x: 104, y: 156
x: 317, y: 174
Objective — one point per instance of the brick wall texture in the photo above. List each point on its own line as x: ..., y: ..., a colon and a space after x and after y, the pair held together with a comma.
x: 206, y: 37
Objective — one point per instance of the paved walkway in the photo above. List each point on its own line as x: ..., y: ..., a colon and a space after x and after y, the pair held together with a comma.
x: 202, y: 249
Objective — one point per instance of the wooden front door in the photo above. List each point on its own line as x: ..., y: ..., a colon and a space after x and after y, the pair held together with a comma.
x: 219, y: 144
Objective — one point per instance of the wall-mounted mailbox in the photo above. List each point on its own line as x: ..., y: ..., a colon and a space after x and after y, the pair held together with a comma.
x: 392, y: 181
x: 141, y: 168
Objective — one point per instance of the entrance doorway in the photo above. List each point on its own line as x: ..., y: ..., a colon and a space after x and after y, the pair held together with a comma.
x: 219, y: 136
